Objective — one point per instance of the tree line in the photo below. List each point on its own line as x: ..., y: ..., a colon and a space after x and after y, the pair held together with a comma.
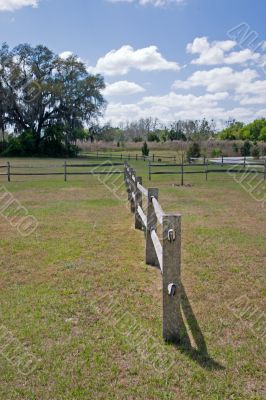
x: 152, y: 130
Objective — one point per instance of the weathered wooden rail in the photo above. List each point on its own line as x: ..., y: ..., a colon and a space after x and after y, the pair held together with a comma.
x: 206, y: 168
x: 65, y: 169
x: 128, y: 157
x: 164, y: 252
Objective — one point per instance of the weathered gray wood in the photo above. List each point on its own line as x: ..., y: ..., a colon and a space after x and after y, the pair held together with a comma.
x: 158, y: 210
x: 65, y: 171
x: 104, y: 165
x: 151, y: 256
x: 138, y: 203
x: 142, y: 216
x: 69, y: 173
x: 132, y: 189
x: 158, y: 248
x: 8, y: 171
x: 172, y: 318
x: 125, y: 175
x: 142, y: 189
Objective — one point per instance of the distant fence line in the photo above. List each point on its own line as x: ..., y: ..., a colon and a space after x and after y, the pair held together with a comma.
x: 236, y: 166
x: 129, y: 156
x: 11, y: 170
x: 165, y: 255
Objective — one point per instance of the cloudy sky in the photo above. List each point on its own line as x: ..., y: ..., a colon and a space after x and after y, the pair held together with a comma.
x: 171, y: 59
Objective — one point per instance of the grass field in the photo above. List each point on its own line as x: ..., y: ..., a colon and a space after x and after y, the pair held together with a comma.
x: 77, y: 295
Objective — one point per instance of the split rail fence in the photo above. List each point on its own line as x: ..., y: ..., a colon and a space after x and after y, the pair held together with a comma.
x: 165, y: 253
x: 130, y: 156
x: 64, y: 170
x: 207, y: 167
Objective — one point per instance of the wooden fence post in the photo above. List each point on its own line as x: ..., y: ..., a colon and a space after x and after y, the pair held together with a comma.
x: 132, y: 190
x: 128, y: 186
x: 182, y: 171
x: 125, y: 173
x: 265, y: 170
x: 8, y: 171
x: 172, y: 318
x: 149, y: 170
x: 65, y: 171
x: 126, y: 179
x: 207, y: 169
x: 151, y: 256
x: 138, y: 202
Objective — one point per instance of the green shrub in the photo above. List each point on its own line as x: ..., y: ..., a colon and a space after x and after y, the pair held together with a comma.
x: 235, y: 148
x: 216, y: 152
x: 262, y: 136
x: 153, y: 137
x: 245, y: 150
x: 54, y: 143
x: 145, y: 149
x: 245, y: 134
x: 3, y: 146
x: 163, y: 136
x: 255, y: 152
x: 193, y: 151
x: 137, y: 139
x: 176, y: 135
x: 14, y: 148
x: 23, y: 145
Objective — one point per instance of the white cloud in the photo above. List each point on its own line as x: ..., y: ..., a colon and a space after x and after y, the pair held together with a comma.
x: 118, y: 112
x: 263, y: 45
x: 247, y: 89
x: 66, y: 54
x: 251, y: 92
x: 219, y: 79
x: 261, y: 113
x: 121, y: 61
x: 214, y: 53
x: 12, y: 5
x: 123, y: 88
x: 171, y: 106
x: 248, y: 100
x: 155, y: 3
x: 188, y: 101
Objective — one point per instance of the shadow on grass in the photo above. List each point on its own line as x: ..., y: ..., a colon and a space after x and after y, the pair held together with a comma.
x: 199, y: 354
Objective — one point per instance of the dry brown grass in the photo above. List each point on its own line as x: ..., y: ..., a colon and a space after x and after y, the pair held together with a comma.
x: 86, y: 247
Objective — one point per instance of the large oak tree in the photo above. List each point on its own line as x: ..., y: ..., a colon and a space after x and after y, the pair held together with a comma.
x: 39, y: 89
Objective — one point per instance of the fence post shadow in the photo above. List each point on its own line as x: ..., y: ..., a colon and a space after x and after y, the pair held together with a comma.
x: 199, y: 354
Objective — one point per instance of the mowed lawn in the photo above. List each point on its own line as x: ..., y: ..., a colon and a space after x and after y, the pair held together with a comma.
x: 78, y: 297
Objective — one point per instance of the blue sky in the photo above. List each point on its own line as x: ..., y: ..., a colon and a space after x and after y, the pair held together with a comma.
x: 171, y: 59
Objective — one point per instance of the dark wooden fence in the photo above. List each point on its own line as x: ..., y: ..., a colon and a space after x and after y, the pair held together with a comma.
x: 129, y: 157
x: 207, y: 167
x: 165, y: 253
x: 64, y: 170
